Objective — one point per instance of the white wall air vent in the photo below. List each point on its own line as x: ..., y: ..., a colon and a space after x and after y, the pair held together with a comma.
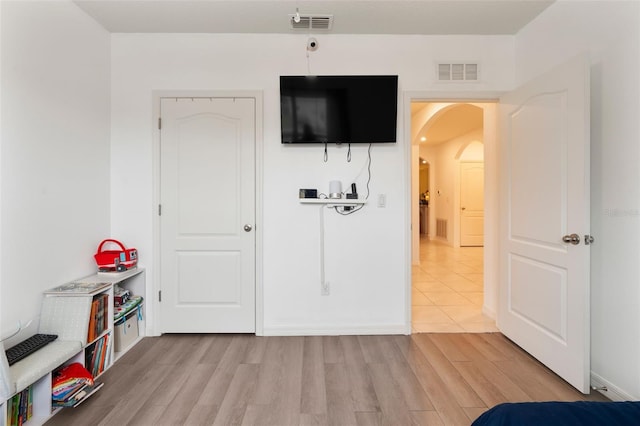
x: 311, y: 22
x: 457, y: 72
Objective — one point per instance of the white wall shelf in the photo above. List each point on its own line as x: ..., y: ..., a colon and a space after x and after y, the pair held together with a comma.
x: 331, y: 202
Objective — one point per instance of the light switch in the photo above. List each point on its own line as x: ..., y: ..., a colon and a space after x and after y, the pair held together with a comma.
x: 382, y: 200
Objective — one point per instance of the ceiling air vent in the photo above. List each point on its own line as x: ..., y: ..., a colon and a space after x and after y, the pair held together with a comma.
x: 311, y: 22
x: 457, y: 72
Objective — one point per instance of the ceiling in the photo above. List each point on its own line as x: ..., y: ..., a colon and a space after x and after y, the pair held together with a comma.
x: 456, y: 121
x: 429, y: 17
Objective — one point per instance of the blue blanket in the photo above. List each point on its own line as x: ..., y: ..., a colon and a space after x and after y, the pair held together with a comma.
x: 583, y: 413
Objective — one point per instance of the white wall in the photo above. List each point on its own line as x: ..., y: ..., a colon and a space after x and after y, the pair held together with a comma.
x: 610, y: 32
x: 367, y: 252
x: 54, y: 193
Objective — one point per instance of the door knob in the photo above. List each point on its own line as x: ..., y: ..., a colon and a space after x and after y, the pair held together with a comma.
x: 247, y: 228
x: 463, y: 208
x: 573, y: 239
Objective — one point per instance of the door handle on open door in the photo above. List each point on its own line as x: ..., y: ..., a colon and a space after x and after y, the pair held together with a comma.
x: 573, y: 239
x: 247, y: 228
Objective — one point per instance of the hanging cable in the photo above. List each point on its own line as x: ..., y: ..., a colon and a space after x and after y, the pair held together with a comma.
x: 361, y: 206
x: 349, y: 154
x: 326, y: 153
x: 322, y: 246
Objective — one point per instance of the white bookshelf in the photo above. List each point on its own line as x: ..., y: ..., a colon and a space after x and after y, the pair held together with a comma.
x: 66, y: 311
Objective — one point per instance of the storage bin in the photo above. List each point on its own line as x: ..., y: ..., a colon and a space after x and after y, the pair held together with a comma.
x: 126, y: 332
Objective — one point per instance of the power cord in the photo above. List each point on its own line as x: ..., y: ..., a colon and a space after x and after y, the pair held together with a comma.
x: 341, y: 210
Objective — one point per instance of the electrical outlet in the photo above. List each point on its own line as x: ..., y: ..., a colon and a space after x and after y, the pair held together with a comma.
x: 382, y: 200
x: 325, y: 289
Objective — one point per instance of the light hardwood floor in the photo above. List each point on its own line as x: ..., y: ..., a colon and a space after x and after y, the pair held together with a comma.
x: 423, y: 379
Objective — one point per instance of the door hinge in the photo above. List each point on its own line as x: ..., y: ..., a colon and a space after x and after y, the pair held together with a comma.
x: 159, y: 123
x: 159, y: 295
x: 159, y: 209
x: 588, y: 239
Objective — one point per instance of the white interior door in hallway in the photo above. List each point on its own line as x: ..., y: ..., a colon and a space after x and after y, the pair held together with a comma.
x: 471, y: 204
x: 544, y: 283
x: 207, y: 196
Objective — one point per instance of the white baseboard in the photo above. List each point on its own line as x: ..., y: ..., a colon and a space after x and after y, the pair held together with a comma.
x: 315, y: 330
x: 609, y: 390
x: 488, y: 312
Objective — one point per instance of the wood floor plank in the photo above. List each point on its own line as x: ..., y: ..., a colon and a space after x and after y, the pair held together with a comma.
x: 504, y: 345
x: 487, y: 350
x: 451, y: 377
x: 216, y: 388
x: 427, y: 418
x: 409, y: 387
x: 508, y: 387
x: 255, y: 350
x: 217, y: 349
x: 489, y: 392
x: 314, y: 394
x: 452, y: 347
x: 443, y: 399
x: 135, y: 397
x: 362, y: 391
x: 474, y: 413
x: 150, y: 414
x: 369, y: 418
x: 377, y: 349
x: 340, y: 407
x: 80, y: 416
x: 239, y: 395
x: 180, y: 350
x: 179, y: 408
x: 352, y: 350
x: 533, y: 379
x: 332, y: 349
x: 279, y: 384
x: 202, y: 414
x: 313, y: 419
x: 394, y: 409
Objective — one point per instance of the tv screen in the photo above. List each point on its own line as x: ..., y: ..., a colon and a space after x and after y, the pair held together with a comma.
x: 339, y: 109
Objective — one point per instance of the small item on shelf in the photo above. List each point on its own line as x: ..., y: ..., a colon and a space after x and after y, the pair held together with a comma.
x: 115, y: 260
x: 67, y: 384
x: 126, y: 330
x: 78, y: 287
x: 120, y: 295
x: 124, y: 309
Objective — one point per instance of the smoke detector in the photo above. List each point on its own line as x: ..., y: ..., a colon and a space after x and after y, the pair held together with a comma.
x: 298, y: 21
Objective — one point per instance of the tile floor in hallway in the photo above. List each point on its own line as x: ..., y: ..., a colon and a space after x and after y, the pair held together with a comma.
x: 448, y: 290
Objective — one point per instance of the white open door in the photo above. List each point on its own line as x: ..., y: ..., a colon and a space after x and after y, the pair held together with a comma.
x: 544, y: 279
x: 207, y: 192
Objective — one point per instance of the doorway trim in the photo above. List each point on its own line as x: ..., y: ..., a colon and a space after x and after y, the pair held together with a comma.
x: 153, y: 271
x: 491, y: 260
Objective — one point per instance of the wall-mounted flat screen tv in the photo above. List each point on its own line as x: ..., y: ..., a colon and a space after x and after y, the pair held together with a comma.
x: 339, y: 109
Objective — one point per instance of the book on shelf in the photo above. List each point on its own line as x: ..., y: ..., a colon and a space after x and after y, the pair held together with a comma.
x: 71, y: 385
x: 20, y: 407
x: 97, y: 355
x: 78, y: 397
x: 98, y: 317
